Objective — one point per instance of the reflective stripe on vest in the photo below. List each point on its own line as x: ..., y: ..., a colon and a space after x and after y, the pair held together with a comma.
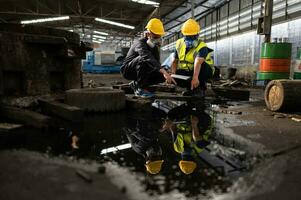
x: 187, y: 59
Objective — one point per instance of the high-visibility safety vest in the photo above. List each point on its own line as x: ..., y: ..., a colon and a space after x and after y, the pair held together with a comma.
x: 187, y: 58
x: 184, y: 136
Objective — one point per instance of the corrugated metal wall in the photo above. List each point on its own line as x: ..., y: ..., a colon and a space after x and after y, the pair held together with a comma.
x: 242, y: 50
x: 221, y: 28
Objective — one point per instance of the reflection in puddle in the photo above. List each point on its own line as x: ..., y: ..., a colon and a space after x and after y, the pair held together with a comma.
x: 174, y: 149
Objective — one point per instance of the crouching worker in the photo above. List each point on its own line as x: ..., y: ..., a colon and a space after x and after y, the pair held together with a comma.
x: 189, y: 140
x: 142, y: 63
x: 146, y: 143
x: 194, y: 59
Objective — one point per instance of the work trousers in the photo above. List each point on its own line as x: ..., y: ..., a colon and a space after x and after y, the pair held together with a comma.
x: 143, y: 72
x: 204, y: 75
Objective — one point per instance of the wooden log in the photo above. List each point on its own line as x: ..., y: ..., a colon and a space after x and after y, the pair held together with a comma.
x: 23, y: 116
x: 153, y: 88
x: 61, y: 110
x: 140, y: 104
x: 232, y: 93
x: 283, y: 95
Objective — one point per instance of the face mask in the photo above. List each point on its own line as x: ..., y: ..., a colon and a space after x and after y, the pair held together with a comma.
x: 191, y: 42
x: 154, y: 152
x: 153, y: 42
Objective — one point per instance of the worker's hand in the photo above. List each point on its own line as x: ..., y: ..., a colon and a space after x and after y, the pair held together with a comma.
x: 168, y: 124
x: 194, y: 120
x: 169, y: 79
x: 195, y: 83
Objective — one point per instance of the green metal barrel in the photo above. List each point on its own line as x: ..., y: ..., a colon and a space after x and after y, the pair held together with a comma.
x: 275, y: 59
x: 276, y: 50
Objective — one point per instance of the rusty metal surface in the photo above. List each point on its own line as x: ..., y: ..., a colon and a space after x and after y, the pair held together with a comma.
x: 38, y: 60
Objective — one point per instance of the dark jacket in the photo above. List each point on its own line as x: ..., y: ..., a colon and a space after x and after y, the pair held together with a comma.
x: 147, y: 54
x: 142, y: 137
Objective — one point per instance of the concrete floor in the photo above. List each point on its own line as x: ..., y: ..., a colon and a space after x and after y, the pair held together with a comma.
x: 29, y: 175
x: 277, y: 139
x: 274, y: 138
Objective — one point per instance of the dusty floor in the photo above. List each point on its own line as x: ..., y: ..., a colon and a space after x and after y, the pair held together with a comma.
x: 273, y: 139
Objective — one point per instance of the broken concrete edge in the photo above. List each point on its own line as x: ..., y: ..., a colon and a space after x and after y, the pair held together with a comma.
x: 6, y: 127
x: 24, y: 116
x: 257, y: 181
x: 94, y: 100
x: 64, y: 111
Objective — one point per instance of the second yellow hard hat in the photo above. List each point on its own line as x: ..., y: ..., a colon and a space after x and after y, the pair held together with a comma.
x: 190, y: 27
x: 155, y: 26
x: 154, y: 167
x: 187, y: 167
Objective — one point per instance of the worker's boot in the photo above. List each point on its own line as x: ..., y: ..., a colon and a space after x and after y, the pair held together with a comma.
x: 187, y: 93
x: 197, y: 92
x: 139, y: 92
x: 133, y: 85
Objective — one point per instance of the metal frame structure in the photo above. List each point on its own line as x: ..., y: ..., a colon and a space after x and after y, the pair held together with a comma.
x: 83, y: 13
x: 236, y: 16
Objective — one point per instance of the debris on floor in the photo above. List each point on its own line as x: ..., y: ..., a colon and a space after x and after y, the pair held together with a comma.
x: 9, y: 126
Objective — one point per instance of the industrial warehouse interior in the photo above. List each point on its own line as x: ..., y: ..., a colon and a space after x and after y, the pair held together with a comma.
x: 150, y: 99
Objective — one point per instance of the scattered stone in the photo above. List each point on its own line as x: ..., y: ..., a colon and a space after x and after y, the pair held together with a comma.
x: 101, y: 169
x: 21, y: 102
x: 296, y: 119
x: 232, y: 112
x: 9, y: 126
x: 123, y: 189
x: 278, y: 116
x: 24, y: 116
x: 92, y: 84
x: 74, y: 143
x: 85, y: 176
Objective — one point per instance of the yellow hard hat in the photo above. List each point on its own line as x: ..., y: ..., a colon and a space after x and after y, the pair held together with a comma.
x: 187, y: 167
x: 190, y: 27
x: 154, y: 167
x: 155, y: 26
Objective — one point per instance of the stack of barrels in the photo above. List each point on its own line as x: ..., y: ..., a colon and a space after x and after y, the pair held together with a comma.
x: 275, y: 61
x: 297, y: 68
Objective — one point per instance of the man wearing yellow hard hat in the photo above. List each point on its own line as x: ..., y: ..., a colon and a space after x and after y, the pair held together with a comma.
x: 189, y: 140
x: 145, y: 142
x: 142, y: 63
x: 193, y: 58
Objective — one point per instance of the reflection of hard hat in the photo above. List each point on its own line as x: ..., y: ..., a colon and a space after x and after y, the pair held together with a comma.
x: 190, y: 27
x: 155, y: 26
x: 154, y: 167
x: 187, y: 167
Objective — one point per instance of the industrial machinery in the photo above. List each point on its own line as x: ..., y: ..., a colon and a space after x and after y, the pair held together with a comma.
x: 101, y: 63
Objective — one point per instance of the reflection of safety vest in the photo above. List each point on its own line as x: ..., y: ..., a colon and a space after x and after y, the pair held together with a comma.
x: 187, y: 58
x: 184, y: 137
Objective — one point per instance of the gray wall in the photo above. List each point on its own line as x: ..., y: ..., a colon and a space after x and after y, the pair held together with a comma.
x: 244, y: 49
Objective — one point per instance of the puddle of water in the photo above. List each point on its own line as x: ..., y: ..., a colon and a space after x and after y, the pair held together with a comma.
x: 175, y: 133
